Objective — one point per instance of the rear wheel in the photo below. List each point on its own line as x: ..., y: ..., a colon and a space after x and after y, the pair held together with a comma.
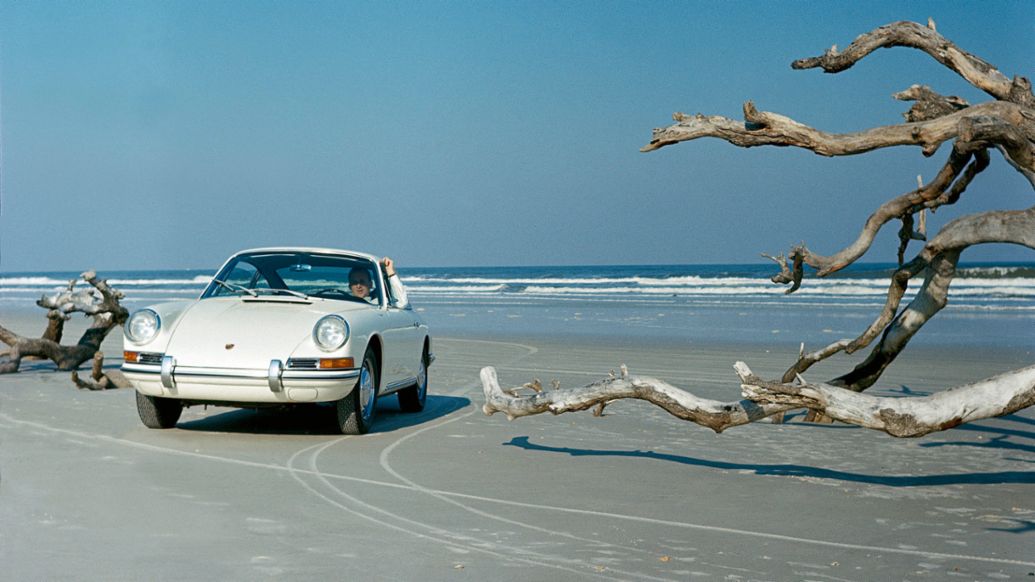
x: 355, y: 412
x: 412, y: 399
x: 156, y: 412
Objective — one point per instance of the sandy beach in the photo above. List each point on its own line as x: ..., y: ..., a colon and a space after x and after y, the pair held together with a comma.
x: 558, y: 190
x: 449, y: 494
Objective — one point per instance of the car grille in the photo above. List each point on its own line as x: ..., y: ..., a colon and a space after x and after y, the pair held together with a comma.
x: 149, y: 358
x: 302, y: 363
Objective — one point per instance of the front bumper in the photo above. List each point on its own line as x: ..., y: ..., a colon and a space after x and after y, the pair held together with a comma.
x: 272, y: 385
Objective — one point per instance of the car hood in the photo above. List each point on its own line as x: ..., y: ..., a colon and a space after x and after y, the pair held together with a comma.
x: 235, y: 333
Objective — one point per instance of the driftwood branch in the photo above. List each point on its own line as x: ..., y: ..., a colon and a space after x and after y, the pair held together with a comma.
x: 929, y: 105
x: 99, y: 379
x: 761, y: 128
x: 101, y: 302
x: 968, y: 158
x: 975, y: 70
x: 900, y: 417
x: 1006, y: 124
x: 938, y: 261
x: 946, y: 188
x: 713, y: 414
x: 940, y: 257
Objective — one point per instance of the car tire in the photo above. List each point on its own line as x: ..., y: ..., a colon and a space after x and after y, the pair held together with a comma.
x: 157, y: 412
x: 412, y: 399
x: 355, y: 412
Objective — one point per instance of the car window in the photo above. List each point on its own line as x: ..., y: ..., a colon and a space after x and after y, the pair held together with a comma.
x: 243, y: 274
x: 309, y: 274
x: 311, y: 279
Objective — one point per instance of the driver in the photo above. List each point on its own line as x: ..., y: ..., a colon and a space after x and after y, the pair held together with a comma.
x: 360, y: 284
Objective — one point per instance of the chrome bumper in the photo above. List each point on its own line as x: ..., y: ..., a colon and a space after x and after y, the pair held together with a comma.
x: 275, y: 375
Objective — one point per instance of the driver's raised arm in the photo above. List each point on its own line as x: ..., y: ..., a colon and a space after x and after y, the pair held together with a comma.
x: 398, y: 291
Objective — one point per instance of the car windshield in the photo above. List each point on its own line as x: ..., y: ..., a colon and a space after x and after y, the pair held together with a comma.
x: 298, y: 274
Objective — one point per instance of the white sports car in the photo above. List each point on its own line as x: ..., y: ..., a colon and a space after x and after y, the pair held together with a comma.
x: 282, y: 326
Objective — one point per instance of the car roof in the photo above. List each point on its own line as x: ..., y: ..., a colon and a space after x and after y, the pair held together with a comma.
x: 317, y: 250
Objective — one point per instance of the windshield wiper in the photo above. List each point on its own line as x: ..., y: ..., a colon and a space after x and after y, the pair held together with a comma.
x: 235, y: 288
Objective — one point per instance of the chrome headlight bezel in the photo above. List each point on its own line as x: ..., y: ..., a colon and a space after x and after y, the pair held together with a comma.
x: 142, y: 336
x: 334, y: 329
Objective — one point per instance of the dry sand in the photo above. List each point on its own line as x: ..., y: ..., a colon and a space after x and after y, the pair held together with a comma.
x: 88, y: 493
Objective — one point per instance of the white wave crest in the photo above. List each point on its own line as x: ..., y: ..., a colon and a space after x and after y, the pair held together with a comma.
x: 994, y: 271
x: 745, y: 290
x: 833, y: 290
x: 32, y: 281
x: 455, y: 289
x: 995, y: 291
x: 14, y: 281
x: 30, y: 290
x: 515, y: 281
x: 200, y: 280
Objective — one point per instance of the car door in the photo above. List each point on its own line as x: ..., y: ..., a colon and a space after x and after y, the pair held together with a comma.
x: 402, y: 343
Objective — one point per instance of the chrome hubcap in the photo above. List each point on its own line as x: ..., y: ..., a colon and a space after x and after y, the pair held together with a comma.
x: 366, y: 392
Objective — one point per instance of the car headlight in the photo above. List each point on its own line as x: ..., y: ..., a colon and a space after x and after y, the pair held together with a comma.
x: 330, y: 333
x: 143, y: 326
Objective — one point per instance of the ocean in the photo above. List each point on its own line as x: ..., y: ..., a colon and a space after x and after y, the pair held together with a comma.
x: 990, y: 304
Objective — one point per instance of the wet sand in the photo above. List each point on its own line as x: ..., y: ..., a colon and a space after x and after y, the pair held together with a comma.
x: 88, y: 493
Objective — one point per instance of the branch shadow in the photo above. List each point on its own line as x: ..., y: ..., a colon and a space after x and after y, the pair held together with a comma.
x: 1022, y: 526
x: 904, y: 390
x: 998, y: 442
x: 42, y: 365
x: 1020, y: 419
x: 38, y: 365
x: 786, y: 470
x: 997, y: 430
x: 318, y: 419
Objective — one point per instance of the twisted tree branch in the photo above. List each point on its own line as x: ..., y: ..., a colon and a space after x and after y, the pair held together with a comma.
x: 901, y: 417
x: 1007, y: 124
x: 944, y: 189
x: 713, y: 414
x: 764, y: 128
x: 975, y: 70
x: 938, y: 259
x: 103, y: 306
x: 928, y: 104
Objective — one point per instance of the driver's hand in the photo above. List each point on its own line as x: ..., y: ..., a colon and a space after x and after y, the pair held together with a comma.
x: 389, y: 266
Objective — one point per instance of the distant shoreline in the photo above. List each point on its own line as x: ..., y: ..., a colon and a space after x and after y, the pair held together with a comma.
x: 854, y: 267
x: 990, y: 304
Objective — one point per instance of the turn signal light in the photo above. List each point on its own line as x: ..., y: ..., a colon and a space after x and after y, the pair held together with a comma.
x: 336, y: 363
x: 130, y: 357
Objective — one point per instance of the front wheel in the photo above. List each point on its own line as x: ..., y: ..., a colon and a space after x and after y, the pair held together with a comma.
x: 355, y: 412
x: 156, y: 412
x: 412, y: 399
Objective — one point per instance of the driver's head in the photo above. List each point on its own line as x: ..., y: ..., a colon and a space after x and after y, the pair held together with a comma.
x: 360, y: 282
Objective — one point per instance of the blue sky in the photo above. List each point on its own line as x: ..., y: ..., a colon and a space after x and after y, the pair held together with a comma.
x: 171, y: 134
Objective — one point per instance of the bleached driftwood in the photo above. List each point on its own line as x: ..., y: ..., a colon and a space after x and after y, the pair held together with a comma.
x: 900, y: 417
x: 975, y: 70
x: 938, y: 261
x: 101, y: 303
x: 765, y: 128
x: 99, y: 379
x: 1006, y: 125
x: 713, y: 414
